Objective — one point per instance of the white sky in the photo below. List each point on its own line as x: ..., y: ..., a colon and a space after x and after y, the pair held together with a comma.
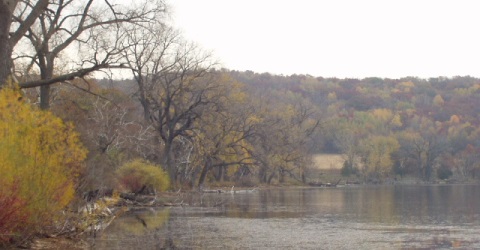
x: 341, y: 38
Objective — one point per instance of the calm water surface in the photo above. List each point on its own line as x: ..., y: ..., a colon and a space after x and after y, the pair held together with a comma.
x: 361, y: 217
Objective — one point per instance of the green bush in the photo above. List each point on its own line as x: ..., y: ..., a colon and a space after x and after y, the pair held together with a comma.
x: 135, y: 175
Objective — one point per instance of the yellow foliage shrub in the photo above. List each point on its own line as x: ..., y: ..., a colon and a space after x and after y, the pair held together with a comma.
x: 40, y: 158
x: 134, y: 175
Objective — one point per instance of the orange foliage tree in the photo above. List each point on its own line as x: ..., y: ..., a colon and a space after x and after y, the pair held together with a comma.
x: 40, y: 158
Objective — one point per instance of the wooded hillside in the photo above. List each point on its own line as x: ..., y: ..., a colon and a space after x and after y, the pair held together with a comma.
x: 428, y: 128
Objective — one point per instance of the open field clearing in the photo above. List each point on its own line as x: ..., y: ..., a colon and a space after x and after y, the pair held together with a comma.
x: 328, y: 161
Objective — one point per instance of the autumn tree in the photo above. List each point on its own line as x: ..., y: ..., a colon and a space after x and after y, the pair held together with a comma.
x: 462, y: 138
x: 467, y: 162
x: 282, y: 137
x: 438, y: 101
x: 40, y: 160
x: 423, y: 144
x: 223, y: 133
x: 447, y: 107
x: 377, y: 153
x: 347, y: 133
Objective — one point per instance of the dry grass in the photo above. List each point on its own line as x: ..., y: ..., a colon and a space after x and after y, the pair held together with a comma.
x: 328, y: 161
x: 326, y: 168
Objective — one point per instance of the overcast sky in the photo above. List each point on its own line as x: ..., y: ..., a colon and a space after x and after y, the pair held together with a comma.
x: 341, y: 38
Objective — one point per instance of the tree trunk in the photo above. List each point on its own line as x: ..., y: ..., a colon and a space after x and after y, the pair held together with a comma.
x: 5, y: 47
x: 204, y: 173
x: 281, y: 175
x: 220, y: 174
x: 143, y: 99
x: 263, y: 174
x: 167, y: 154
x: 270, y: 178
x: 45, y: 97
x: 46, y: 73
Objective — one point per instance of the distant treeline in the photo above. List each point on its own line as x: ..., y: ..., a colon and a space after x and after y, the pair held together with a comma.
x: 428, y: 128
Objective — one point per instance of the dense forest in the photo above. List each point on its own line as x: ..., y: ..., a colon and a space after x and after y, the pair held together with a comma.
x: 385, y: 128
x: 426, y: 128
x: 216, y: 129
x: 70, y: 128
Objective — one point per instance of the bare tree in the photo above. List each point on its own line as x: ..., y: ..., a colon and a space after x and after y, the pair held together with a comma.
x: 80, y: 37
x: 178, y: 100
x: 149, y: 52
x: 174, y: 84
x: 109, y: 125
x: 9, y: 38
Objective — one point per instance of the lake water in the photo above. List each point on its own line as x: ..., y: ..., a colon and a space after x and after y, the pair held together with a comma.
x: 352, y: 217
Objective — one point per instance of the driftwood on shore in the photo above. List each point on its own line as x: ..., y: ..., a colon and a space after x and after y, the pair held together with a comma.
x: 217, y: 191
x: 320, y: 184
x: 231, y: 191
x: 352, y: 183
x: 136, y: 199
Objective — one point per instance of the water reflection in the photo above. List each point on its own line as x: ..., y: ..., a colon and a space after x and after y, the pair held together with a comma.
x: 137, y: 222
x: 367, y: 217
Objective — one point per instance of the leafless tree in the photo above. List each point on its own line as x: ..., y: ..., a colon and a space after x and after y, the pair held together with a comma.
x: 9, y: 38
x: 174, y: 83
x: 110, y: 129
x: 59, y: 40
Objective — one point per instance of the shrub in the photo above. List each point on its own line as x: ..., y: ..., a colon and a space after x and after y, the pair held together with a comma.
x: 12, y: 216
x: 40, y: 158
x: 135, y: 175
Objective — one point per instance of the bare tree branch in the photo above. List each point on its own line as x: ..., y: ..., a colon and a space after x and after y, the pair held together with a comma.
x: 66, y: 77
x: 36, y: 11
